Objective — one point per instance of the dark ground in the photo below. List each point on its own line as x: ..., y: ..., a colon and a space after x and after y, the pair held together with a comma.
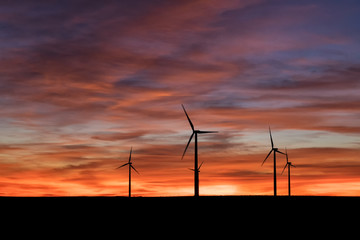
x: 174, y: 204
x: 215, y: 216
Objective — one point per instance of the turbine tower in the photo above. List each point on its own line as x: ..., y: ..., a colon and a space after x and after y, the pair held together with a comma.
x: 130, y: 167
x: 196, y: 168
x: 288, y: 165
x: 275, y: 150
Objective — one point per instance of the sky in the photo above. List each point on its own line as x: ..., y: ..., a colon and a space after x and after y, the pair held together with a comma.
x: 81, y: 82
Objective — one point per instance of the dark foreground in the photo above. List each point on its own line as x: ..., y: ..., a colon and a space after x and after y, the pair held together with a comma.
x: 245, y: 198
x: 179, y: 215
x: 178, y: 204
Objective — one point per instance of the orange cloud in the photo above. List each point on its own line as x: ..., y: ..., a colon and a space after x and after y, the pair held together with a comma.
x: 80, y: 88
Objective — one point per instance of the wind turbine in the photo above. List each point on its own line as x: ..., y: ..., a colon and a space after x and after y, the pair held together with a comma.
x: 275, y: 150
x: 288, y: 165
x: 130, y: 167
x: 196, y: 168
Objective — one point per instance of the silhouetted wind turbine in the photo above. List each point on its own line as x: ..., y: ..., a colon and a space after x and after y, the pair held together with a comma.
x: 275, y: 150
x: 288, y: 165
x: 196, y: 168
x: 130, y: 167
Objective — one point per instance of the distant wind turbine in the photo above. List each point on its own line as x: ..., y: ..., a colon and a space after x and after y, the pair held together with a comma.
x: 196, y: 168
x: 130, y: 167
x: 288, y: 165
x: 275, y: 150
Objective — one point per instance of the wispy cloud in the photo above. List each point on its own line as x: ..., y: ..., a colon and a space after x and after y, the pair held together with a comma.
x: 83, y: 81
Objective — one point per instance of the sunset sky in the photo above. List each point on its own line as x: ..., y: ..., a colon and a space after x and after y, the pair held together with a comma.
x: 81, y: 82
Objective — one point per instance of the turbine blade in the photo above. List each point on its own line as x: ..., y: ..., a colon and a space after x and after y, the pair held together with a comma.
x: 130, y: 154
x: 287, y: 157
x: 191, y: 124
x: 284, y: 169
x: 207, y: 132
x: 134, y: 169
x: 280, y: 152
x: 187, y: 145
x: 293, y: 165
x: 272, y: 143
x: 267, y: 156
x: 200, y: 165
x: 191, y: 169
x: 122, y: 165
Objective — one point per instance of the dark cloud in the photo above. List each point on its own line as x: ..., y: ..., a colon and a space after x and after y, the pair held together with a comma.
x: 334, y: 169
x: 77, y: 146
x: 83, y: 166
x: 111, y: 136
x: 240, y: 174
x: 6, y: 148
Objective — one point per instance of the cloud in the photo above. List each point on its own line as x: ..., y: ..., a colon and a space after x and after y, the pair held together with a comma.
x: 110, y: 136
x: 81, y: 82
x: 6, y: 148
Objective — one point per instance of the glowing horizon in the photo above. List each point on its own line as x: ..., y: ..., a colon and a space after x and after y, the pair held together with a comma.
x: 82, y: 82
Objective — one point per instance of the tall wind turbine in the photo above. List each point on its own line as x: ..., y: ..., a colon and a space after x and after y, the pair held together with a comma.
x: 275, y: 150
x: 196, y: 168
x: 130, y: 167
x: 288, y: 165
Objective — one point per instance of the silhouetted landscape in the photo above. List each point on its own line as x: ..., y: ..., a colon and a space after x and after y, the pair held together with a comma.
x: 217, y: 202
x: 179, y: 211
